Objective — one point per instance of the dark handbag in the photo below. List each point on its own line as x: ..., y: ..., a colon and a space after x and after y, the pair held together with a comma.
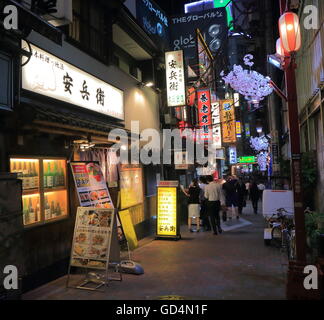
x: 244, y: 203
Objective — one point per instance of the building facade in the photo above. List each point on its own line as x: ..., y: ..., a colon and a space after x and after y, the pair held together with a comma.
x: 72, y: 93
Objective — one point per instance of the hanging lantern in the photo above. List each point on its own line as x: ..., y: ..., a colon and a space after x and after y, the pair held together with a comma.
x: 289, y: 28
x: 280, y: 49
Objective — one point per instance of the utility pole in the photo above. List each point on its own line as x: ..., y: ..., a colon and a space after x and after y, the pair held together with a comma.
x: 295, y: 272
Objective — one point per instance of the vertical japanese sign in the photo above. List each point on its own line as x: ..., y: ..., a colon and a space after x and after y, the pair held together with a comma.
x: 204, y: 114
x: 228, y: 121
x: 238, y: 129
x: 232, y: 155
x: 175, y: 79
x: 167, y: 219
x: 216, y: 122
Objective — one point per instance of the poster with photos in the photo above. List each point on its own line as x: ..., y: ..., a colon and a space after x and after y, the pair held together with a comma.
x: 91, y: 185
x: 92, y: 238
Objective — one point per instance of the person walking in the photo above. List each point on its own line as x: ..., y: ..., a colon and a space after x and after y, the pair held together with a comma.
x: 193, y: 194
x: 254, y: 196
x: 241, y: 195
x: 230, y: 190
x: 215, y: 197
x: 203, y: 205
x: 261, y: 188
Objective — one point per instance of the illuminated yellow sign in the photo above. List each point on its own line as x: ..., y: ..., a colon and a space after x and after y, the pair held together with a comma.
x: 167, y: 211
x: 228, y: 121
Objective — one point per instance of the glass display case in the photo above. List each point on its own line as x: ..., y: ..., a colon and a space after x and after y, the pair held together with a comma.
x: 44, y: 182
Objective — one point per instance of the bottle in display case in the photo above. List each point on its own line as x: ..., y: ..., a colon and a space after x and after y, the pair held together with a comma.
x: 19, y: 171
x: 47, y: 209
x: 61, y: 174
x: 52, y: 210
x: 56, y: 182
x: 30, y: 178
x: 25, y: 212
x: 49, y: 176
x: 35, y: 176
x: 24, y: 177
x: 31, y: 212
x: 58, y: 211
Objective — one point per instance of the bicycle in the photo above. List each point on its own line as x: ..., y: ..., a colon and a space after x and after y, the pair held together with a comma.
x: 283, y: 232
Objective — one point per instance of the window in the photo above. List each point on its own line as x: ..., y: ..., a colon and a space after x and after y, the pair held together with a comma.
x: 6, y: 93
x: 44, y: 183
x: 88, y: 28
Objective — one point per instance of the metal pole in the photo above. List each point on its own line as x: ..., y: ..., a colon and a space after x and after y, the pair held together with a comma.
x: 295, y: 268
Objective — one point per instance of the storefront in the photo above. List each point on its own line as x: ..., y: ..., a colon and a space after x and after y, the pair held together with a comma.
x: 65, y: 114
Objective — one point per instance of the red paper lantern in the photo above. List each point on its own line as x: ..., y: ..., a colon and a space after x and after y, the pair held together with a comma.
x: 289, y: 28
x: 280, y: 49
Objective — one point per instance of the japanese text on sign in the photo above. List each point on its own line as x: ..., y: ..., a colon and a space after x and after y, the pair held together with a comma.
x: 204, y: 112
x: 228, y: 121
x: 216, y: 122
x: 48, y: 75
x: 167, y: 211
x: 176, y: 90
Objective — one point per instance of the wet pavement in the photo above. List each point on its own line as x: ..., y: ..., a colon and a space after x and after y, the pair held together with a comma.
x: 201, y: 266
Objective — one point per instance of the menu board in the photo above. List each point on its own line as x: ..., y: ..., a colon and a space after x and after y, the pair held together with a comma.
x: 131, y: 187
x: 92, y: 238
x: 167, y: 211
x: 91, y: 185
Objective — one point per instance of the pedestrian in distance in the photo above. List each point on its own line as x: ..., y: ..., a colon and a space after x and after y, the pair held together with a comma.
x: 230, y: 190
x: 241, y: 195
x: 216, y: 200
x: 261, y: 188
x: 203, y: 205
x: 193, y: 194
x: 254, y: 196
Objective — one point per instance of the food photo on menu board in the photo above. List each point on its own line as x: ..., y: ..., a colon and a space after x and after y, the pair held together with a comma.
x: 91, y: 238
x: 91, y: 185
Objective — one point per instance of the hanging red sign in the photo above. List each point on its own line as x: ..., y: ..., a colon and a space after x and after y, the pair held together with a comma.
x: 204, y: 114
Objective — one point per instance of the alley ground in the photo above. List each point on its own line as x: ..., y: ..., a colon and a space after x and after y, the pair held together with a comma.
x: 202, y: 266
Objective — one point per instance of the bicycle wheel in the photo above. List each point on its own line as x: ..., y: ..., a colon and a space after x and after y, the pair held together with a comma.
x: 276, y: 237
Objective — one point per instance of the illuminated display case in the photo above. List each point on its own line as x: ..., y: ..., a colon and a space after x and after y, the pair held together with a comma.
x: 44, y: 182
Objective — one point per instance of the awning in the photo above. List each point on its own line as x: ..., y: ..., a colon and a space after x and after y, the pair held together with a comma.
x: 67, y: 123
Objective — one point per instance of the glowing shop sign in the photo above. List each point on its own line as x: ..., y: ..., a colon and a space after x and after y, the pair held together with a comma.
x: 250, y: 159
x: 175, y: 79
x: 228, y: 121
x: 167, y: 211
x: 50, y: 76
